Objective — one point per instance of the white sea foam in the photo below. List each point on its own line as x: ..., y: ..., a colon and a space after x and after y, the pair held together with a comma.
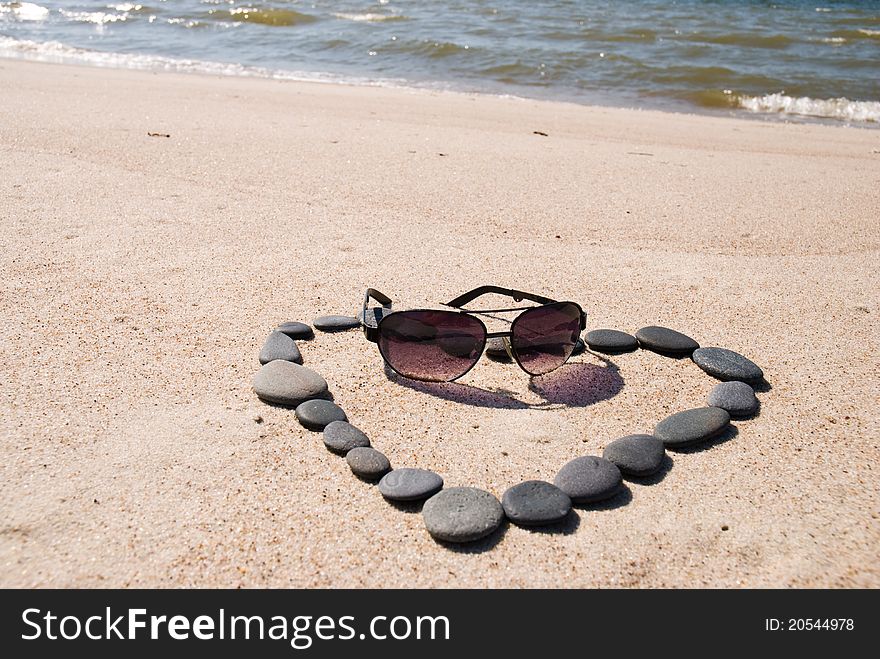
x: 24, y: 11
x: 833, y: 40
x: 830, y: 108
x: 96, y: 17
x: 58, y: 53
x: 369, y: 17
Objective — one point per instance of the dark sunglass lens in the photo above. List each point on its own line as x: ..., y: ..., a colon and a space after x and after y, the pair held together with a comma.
x: 543, y: 338
x: 431, y: 345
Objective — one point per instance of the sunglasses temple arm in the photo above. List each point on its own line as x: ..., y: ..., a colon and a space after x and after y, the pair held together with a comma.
x: 371, y: 331
x: 470, y: 296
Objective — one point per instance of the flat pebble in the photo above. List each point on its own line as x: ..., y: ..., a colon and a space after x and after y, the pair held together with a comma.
x: 588, y: 479
x: 336, y: 323
x: 410, y: 484
x: 280, y: 346
x: 287, y: 383
x: 316, y: 414
x: 691, y: 426
x: 341, y: 437
x: 666, y: 341
x: 726, y: 364
x: 738, y: 398
x: 462, y: 514
x: 496, y: 350
x: 367, y: 463
x: 611, y: 341
x: 636, y: 455
x: 296, y: 330
x: 535, y: 503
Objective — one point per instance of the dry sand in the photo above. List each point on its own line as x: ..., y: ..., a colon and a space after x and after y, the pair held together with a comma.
x: 141, y: 274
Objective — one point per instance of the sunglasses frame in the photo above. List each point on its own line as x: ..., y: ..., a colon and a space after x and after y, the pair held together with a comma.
x: 371, y: 319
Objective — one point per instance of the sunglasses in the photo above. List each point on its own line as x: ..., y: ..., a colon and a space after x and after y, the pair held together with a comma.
x: 440, y: 346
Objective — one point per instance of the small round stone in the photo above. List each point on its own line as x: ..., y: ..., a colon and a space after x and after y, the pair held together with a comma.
x: 665, y: 340
x: 296, y: 330
x: 726, y: 364
x: 280, y: 346
x: 611, y: 341
x: 335, y: 323
x: 367, y: 463
x: 692, y: 426
x: 287, y: 383
x: 410, y: 484
x: 535, y: 503
x: 341, y: 437
x: 462, y: 514
x: 588, y: 479
x: 737, y: 398
x: 636, y: 455
x: 316, y: 414
x: 496, y: 350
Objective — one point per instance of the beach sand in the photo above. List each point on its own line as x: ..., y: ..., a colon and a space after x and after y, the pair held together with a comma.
x: 141, y: 274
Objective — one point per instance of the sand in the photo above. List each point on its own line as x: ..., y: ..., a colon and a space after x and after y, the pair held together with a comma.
x: 140, y: 276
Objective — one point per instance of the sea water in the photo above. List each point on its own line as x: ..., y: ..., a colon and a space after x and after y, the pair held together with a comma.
x: 790, y: 58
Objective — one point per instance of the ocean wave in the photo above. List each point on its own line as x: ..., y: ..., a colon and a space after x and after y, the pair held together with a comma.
x: 55, y: 52
x: 830, y: 108
x: 24, y: 11
x: 268, y: 16
x: 371, y: 17
x: 96, y: 17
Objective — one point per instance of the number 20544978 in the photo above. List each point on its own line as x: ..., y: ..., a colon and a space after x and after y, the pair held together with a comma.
x: 808, y: 624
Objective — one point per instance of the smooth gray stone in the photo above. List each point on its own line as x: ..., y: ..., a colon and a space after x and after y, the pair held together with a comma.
x: 287, y: 383
x: 496, y: 350
x: 336, y: 323
x: 665, y: 340
x: 535, y: 503
x: 726, y: 364
x: 692, y: 426
x: 296, y: 330
x: 341, y: 437
x: 367, y: 463
x: 588, y: 479
x: 610, y: 340
x: 737, y: 398
x: 462, y: 514
x: 316, y: 414
x: 636, y: 455
x: 280, y: 346
x: 410, y: 484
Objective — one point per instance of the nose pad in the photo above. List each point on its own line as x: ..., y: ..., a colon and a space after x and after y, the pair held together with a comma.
x: 507, y: 348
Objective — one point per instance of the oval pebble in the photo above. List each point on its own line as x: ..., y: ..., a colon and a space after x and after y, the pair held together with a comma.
x: 535, y: 503
x: 737, y: 398
x: 341, y: 437
x: 611, y: 341
x: 296, y: 330
x: 410, y: 484
x: 666, y: 341
x: 280, y: 346
x: 287, y: 383
x: 691, y: 426
x: 462, y: 514
x: 636, y: 455
x: 726, y: 364
x: 316, y: 414
x: 367, y: 463
x: 336, y: 323
x: 589, y: 479
x: 496, y: 350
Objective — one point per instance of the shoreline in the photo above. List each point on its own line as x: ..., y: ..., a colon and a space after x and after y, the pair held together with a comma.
x: 164, y: 64
x: 143, y: 273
